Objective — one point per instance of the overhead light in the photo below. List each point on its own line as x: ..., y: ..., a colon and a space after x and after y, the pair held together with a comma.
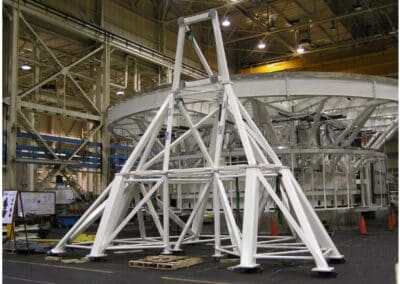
x: 300, y: 49
x: 357, y: 7
x: 261, y: 45
x: 226, y: 23
x: 26, y: 67
x: 120, y: 93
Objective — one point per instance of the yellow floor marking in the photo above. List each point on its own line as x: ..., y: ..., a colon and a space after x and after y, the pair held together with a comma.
x: 191, y: 280
x: 27, y: 280
x: 60, y: 266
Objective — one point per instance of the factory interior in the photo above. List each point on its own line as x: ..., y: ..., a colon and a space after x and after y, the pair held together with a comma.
x: 191, y: 141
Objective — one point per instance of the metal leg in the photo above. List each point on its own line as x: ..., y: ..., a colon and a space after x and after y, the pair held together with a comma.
x: 250, y: 221
x: 142, y: 228
x: 314, y: 247
x: 217, y: 220
x: 318, y: 228
x: 111, y: 215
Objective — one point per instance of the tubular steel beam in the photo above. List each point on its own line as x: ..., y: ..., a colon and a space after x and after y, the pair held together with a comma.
x: 90, y: 31
x: 104, y: 104
x: 58, y: 111
x: 259, y: 163
x: 12, y: 110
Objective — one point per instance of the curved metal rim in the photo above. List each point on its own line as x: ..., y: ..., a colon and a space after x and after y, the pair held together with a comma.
x: 288, y: 84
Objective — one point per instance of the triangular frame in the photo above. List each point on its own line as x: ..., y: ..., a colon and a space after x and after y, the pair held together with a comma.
x: 112, y: 205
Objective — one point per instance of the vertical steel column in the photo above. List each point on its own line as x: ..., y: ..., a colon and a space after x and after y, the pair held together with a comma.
x: 368, y: 187
x: 348, y: 181
x: 179, y: 191
x: 105, y: 101
x: 362, y: 188
x: 12, y: 110
x: 380, y: 181
x: 324, y: 178
x: 98, y: 94
x: 36, y: 79
x: 250, y: 220
x: 165, y: 190
x: 137, y: 86
x: 218, y: 122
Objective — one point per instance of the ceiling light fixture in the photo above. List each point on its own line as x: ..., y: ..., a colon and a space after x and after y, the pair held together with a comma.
x: 120, y: 93
x: 357, y: 7
x: 300, y: 49
x: 226, y: 23
x: 261, y: 45
x: 26, y: 67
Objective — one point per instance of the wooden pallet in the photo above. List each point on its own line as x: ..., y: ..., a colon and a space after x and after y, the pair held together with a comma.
x: 67, y: 260
x: 165, y: 262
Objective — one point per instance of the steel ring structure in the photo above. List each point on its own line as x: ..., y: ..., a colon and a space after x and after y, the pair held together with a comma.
x: 273, y: 88
x: 317, y: 122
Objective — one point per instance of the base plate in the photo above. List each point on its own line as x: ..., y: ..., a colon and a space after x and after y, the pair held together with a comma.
x: 246, y: 269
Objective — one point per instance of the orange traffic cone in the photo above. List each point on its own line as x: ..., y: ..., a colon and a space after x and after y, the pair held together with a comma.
x: 363, y: 226
x: 390, y: 225
x: 274, y: 227
x: 394, y: 219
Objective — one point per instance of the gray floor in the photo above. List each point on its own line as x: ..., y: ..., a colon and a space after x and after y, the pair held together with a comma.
x: 369, y: 259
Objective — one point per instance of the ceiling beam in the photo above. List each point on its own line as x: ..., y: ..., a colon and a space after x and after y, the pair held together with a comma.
x: 345, y: 44
x: 314, y: 22
x: 375, y: 63
x: 309, y: 17
x: 253, y: 18
x: 93, y: 32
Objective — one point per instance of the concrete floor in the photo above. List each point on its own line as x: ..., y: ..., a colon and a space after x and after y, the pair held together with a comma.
x: 369, y: 259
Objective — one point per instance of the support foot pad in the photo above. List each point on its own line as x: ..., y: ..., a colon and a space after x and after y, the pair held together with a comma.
x: 325, y: 274
x: 97, y: 258
x: 247, y: 269
x: 55, y: 252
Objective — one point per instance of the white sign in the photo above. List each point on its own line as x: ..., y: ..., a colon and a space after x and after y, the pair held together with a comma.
x: 37, y: 203
x: 9, y: 200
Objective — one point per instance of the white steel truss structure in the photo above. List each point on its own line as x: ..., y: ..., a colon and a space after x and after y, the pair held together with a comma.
x: 149, y: 173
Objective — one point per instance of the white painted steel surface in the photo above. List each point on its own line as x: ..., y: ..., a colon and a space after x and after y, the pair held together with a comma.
x: 260, y: 164
x: 274, y: 85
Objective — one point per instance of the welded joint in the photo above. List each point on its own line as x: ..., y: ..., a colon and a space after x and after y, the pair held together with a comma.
x: 226, y: 82
x: 64, y: 71
x: 212, y: 13
x: 214, y: 79
x: 181, y: 21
